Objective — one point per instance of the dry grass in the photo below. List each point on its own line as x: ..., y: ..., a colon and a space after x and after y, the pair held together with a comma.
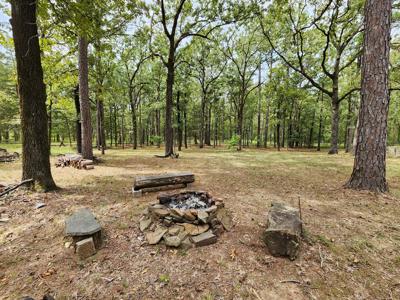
x: 351, y: 249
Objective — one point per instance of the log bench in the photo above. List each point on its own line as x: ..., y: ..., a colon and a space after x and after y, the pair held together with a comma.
x: 155, y: 183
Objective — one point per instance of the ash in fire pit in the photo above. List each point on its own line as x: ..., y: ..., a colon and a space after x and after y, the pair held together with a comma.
x: 185, y: 219
x: 188, y: 200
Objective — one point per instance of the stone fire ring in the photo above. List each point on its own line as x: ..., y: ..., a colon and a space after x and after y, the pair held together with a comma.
x: 185, y: 220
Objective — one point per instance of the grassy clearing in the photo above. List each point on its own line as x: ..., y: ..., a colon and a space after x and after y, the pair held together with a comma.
x: 351, y: 249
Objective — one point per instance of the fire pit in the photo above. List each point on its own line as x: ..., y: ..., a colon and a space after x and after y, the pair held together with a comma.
x: 186, y: 219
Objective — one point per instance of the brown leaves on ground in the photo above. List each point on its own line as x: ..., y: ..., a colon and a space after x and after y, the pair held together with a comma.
x: 351, y: 248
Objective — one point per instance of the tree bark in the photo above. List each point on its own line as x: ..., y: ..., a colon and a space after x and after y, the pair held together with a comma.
x: 78, y: 126
x: 369, y: 170
x: 169, y: 133
x: 335, y: 119
x: 202, y: 119
x: 32, y: 93
x: 259, y: 109
x: 86, y: 122
x: 178, y: 112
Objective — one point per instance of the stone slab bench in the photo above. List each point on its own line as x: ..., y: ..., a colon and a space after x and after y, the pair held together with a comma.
x: 155, y: 183
x: 85, y: 231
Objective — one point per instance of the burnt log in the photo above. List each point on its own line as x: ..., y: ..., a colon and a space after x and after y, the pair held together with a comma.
x: 142, y: 182
x: 283, y: 233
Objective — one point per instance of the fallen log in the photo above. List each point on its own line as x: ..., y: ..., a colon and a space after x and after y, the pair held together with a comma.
x: 12, y: 188
x: 142, y: 182
x: 283, y: 233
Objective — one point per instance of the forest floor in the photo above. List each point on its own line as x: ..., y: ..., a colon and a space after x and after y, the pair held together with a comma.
x: 351, y: 249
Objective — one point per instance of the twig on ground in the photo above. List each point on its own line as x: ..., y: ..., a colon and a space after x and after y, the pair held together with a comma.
x: 256, y: 294
x: 321, y: 256
x: 290, y: 281
x: 8, y: 190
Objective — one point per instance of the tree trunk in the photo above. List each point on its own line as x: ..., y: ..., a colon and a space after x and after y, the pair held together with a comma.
x: 134, y: 126
x: 102, y: 129
x: 266, y: 125
x: 202, y: 119
x: 86, y: 122
x: 50, y: 122
x: 369, y: 170
x: 78, y: 126
x: 311, y: 133
x: 239, y: 129
x: 185, y: 126
x: 335, y: 119
x: 178, y: 112
x: 259, y: 109
x: 32, y: 93
x: 348, y: 124
x: 169, y: 133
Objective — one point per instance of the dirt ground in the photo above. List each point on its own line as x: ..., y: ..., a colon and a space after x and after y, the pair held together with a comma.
x: 351, y: 248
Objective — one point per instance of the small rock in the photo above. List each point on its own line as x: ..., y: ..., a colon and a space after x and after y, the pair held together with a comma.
x: 195, y: 230
x: 186, y: 244
x: 40, y: 205
x: 218, y: 230
x: 174, y: 230
x: 144, y: 224
x: 211, y: 209
x: 160, y: 212
x: 203, y: 216
x: 182, y: 235
x: 177, y: 212
x: 167, y: 221
x: 172, y: 241
x: 67, y: 244
x: 225, y: 218
x: 219, y: 204
x: 137, y: 194
x: 204, y: 239
x: 4, y: 220
x: 189, y: 216
x: 48, y: 297
x: 158, y: 206
x: 85, y: 248
x: 155, y: 237
x: 193, y: 211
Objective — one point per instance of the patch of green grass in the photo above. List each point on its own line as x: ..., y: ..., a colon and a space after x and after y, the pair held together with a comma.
x: 359, y: 245
x: 164, y: 278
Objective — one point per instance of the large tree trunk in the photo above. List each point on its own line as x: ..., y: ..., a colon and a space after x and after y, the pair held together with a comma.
x: 50, y: 122
x: 169, y: 133
x: 78, y: 126
x: 335, y: 119
x: 369, y: 170
x: 86, y: 122
x: 32, y: 93
x: 259, y: 109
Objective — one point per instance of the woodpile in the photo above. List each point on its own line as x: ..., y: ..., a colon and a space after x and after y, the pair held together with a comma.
x: 74, y: 160
x: 8, y: 157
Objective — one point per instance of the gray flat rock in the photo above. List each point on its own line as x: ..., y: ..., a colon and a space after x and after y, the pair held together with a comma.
x: 82, y: 222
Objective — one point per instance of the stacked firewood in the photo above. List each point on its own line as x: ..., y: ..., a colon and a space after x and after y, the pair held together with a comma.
x: 74, y: 160
x: 8, y: 157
